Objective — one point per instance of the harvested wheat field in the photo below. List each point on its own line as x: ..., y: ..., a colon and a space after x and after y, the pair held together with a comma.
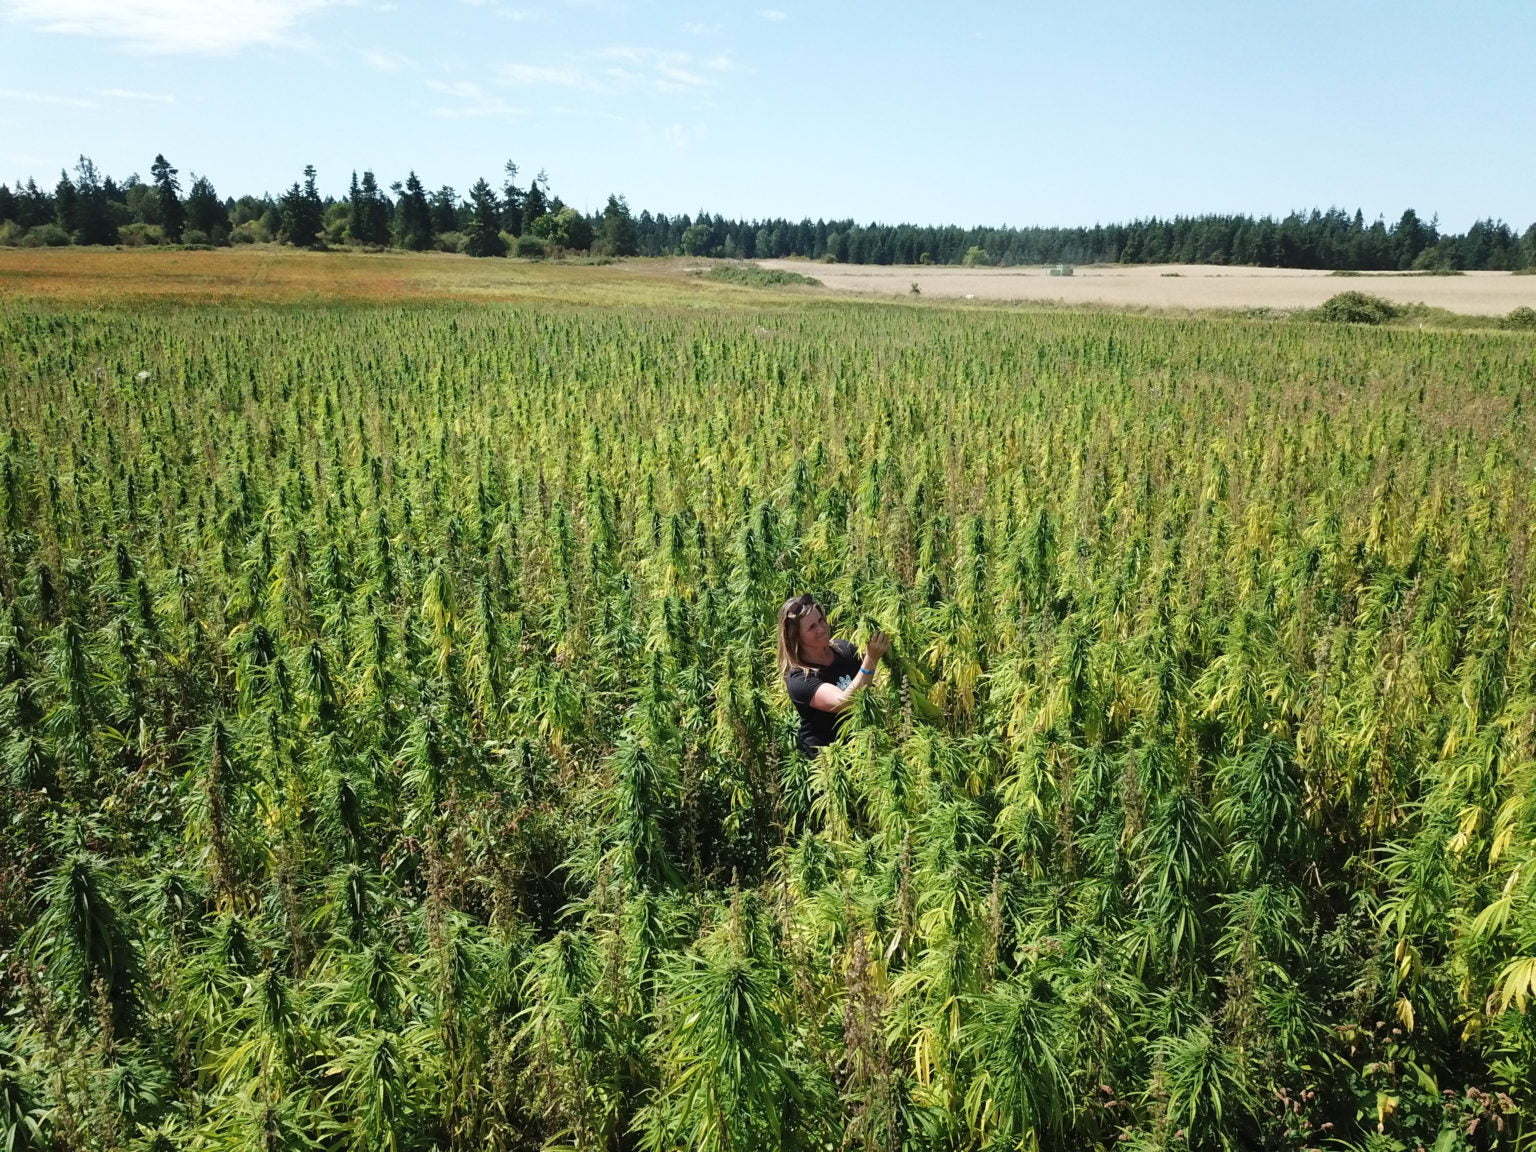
x: 1178, y: 285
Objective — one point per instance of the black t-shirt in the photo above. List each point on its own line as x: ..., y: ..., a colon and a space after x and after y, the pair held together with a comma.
x: 818, y: 728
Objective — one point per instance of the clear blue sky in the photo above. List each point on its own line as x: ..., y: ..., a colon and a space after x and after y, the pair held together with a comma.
x: 965, y: 113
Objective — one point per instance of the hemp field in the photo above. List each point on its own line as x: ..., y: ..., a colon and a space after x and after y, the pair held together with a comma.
x: 392, y: 754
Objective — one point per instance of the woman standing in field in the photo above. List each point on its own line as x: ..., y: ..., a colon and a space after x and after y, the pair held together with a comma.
x: 821, y: 674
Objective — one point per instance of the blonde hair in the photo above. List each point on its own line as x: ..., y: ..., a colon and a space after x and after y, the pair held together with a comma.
x: 791, y: 659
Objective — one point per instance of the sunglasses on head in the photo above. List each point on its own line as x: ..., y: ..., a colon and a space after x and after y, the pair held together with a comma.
x: 799, y: 606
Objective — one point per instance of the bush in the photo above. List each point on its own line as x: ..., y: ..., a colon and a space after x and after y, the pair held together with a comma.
x: 250, y: 232
x: 11, y: 233
x: 976, y: 257
x: 1357, y: 308
x: 449, y: 242
x: 196, y: 236
x: 1522, y: 318
x: 531, y: 248
x: 755, y: 276
x: 140, y: 235
x: 45, y: 236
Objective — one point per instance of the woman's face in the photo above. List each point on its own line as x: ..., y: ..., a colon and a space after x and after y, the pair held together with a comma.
x: 813, y: 629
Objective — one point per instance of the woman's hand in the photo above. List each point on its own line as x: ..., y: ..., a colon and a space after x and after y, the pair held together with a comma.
x: 879, y: 645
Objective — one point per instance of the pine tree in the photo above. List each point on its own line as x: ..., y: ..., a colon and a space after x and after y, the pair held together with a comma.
x: 92, y: 220
x: 167, y: 193
x: 368, y: 212
x: 413, y: 217
x: 445, y: 210
x: 303, y: 215
x: 512, y: 202
x: 535, y: 201
x: 483, y: 236
x: 617, y: 237
x: 205, y: 212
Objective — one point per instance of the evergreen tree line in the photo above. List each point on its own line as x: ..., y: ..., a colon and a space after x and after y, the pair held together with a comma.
x: 90, y: 207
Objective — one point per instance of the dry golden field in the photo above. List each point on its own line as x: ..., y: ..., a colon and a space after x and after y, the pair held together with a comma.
x: 269, y: 274
x: 1190, y: 286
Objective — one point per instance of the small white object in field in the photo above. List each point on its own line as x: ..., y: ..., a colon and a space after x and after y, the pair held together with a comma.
x: 143, y: 375
x: 970, y: 295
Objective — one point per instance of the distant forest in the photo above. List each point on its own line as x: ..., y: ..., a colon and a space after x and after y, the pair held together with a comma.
x: 90, y: 207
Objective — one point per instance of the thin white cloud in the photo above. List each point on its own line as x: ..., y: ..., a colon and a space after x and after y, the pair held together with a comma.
x: 621, y: 68
x: 662, y: 70
x: 773, y: 14
x: 670, y: 78
x: 707, y: 31
x: 532, y: 74
x: 383, y: 60
x: 587, y: 113
x: 472, y: 100
x: 46, y: 98
x: 194, y: 27
x: 131, y: 94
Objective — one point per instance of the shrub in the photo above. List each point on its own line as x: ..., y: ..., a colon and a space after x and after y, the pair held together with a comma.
x: 11, y: 233
x: 755, y: 276
x: 140, y: 235
x: 976, y: 257
x: 531, y: 248
x: 1522, y: 318
x: 196, y: 236
x: 45, y: 236
x: 250, y: 232
x: 449, y: 242
x: 1357, y: 308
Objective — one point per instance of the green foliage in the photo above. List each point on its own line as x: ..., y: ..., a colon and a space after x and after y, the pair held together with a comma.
x: 755, y: 276
x: 567, y: 229
x: 392, y: 753
x: 413, y: 217
x: 171, y: 211
x: 483, y: 235
x: 617, y: 233
x: 976, y: 257
x: 45, y: 236
x: 531, y: 248
x: 139, y: 235
x: 1520, y: 318
x: 1356, y: 308
x: 303, y: 213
